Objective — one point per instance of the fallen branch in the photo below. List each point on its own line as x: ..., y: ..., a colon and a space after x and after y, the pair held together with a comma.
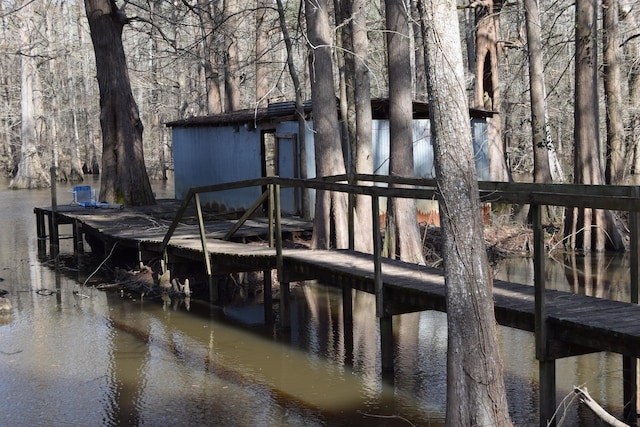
x: 597, y: 409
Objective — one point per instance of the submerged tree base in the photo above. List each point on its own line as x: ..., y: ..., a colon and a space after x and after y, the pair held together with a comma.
x: 21, y: 182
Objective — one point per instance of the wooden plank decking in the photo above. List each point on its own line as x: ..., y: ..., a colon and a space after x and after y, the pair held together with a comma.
x: 577, y: 323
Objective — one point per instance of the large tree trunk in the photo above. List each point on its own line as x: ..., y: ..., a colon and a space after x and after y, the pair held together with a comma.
x: 402, y: 237
x: 31, y: 173
x: 616, y: 149
x: 262, y: 53
x: 588, y: 229
x: 75, y: 173
x: 124, y: 176
x: 539, y: 125
x: 475, y: 385
x: 632, y: 50
x: 328, y: 151
x: 231, y: 62
x: 363, y: 151
x: 208, y: 13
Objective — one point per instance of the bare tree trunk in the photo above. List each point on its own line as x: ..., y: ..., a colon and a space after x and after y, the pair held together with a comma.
x: 262, y: 51
x: 31, y: 173
x: 420, y: 85
x: 124, y: 176
x: 329, y: 158
x: 632, y: 50
x: 402, y: 227
x: 363, y: 151
x: 207, y: 12
x: 75, y: 173
x: 231, y: 72
x: 475, y: 384
x: 588, y: 229
x: 487, y: 83
x: 616, y: 149
x: 539, y: 125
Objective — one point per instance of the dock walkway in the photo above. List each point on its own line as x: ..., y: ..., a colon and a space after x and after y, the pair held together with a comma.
x: 564, y: 324
x: 578, y: 324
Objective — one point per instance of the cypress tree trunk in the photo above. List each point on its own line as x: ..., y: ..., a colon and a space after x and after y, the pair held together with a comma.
x: 124, y: 176
x: 475, y: 385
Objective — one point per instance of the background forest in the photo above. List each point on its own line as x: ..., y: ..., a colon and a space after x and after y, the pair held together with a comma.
x: 189, y: 58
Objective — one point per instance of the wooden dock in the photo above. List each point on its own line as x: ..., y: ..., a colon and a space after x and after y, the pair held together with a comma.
x: 572, y: 324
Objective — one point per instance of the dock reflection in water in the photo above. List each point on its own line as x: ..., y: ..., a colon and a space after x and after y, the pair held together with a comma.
x: 112, y: 360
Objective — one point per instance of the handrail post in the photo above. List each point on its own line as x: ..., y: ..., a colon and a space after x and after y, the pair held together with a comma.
x: 271, y: 209
x: 630, y: 364
x: 377, y: 254
x: 278, y: 231
x: 351, y: 202
x: 285, y: 296
x: 547, y: 366
x: 213, y: 297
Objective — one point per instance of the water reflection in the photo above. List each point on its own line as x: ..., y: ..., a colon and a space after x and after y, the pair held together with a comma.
x: 107, y: 359
x: 601, y: 275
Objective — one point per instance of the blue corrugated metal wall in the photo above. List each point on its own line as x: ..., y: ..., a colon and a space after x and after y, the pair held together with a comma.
x: 214, y: 155
x: 208, y: 155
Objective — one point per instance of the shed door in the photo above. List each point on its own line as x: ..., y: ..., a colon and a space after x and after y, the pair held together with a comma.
x: 287, y: 166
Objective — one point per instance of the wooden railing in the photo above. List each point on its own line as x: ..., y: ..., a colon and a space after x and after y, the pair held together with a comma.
x: 620, y: 198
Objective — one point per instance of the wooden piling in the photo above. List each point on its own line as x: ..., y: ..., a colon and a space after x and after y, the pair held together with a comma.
x: 268, y: 297
x: 285, y: 305
x: 41, y: 233
x: 78, y: 238
x: 54, y: 243
x: 386, y: 348
x: 546, y: 365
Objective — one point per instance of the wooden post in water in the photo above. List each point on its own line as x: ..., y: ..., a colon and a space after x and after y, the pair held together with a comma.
x: 546, y: 365
x: 377, y: 254
x: 385, y: 321
x: 630, y: 390
x: 285, y: 294
x: 78, y: 243
x: 267, y: 297
x: 41, y: 233
x: 54, y: 242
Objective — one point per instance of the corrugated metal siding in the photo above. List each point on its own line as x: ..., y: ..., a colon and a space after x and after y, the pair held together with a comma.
x: 480, y: 147
x: 213, y: 155
x: 205, y: 156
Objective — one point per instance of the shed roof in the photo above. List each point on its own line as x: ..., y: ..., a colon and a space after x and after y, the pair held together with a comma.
x: 285, y: 111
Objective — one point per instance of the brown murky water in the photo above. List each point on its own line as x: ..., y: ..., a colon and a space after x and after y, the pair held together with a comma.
x: 97, y: 358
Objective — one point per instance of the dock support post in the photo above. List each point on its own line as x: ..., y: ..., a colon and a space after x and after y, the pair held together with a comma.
x: 377, y: 254
x: 547, y: 366
x: 386, y: 348
x: 630, y: 364
x: 547, y: 391
x: 41, y: 233
x: 285, y: 294
x: 54, y: 243
x: 267, y: 297
x: 285, y: 305
x: 385, y: 320
x: 347, y: 323
x: 78, y: 244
